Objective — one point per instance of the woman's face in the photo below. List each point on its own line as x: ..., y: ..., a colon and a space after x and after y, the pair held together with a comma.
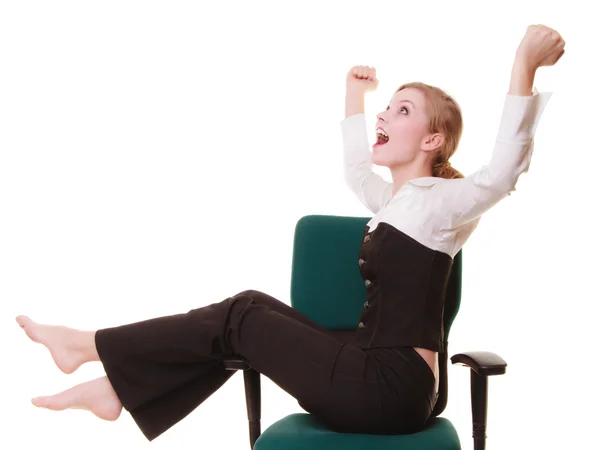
x: 403, y: 129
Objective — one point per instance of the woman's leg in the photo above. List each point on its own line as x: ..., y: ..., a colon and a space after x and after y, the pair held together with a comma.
x: 70, y: 348
x: 161, y: 369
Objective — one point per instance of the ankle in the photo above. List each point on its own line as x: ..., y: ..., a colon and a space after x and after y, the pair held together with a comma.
x: 86, y: 343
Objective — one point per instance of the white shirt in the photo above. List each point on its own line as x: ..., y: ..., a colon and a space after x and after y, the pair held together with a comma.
x: 440, y: 213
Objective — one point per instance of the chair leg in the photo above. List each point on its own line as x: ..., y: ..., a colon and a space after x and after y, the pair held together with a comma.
x: 479, y: 393
x: 252, y: 387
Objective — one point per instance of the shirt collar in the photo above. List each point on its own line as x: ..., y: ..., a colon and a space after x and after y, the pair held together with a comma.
x: 425, y: 181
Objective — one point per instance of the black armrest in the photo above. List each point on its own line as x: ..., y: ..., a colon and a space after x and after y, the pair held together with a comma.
x: 253, y: 397
x: 483, y: 363
x: 235, y: 363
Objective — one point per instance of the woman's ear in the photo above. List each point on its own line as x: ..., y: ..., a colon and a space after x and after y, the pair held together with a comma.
x: 432, y: 142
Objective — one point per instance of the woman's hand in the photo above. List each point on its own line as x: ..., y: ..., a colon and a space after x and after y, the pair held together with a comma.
x: 359, y: 81
x: 541, y: 46
x: 362, y: 79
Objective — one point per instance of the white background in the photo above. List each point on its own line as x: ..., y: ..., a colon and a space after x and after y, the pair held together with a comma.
x: 155, y: 157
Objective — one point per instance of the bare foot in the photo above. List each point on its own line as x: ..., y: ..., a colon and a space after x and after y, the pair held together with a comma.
x: 96, y: 396
x: 69, y: 348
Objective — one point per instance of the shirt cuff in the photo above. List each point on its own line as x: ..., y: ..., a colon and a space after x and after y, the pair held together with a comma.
x: 521, y: 115
x: 354, y: 138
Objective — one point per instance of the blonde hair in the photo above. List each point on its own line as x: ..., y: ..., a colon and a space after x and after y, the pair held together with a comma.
x: 445, y: 118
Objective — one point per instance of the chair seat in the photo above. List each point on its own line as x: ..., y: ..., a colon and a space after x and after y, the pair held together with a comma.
x: 301, y: 431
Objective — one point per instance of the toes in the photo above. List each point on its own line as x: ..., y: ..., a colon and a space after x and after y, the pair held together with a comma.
x: 29, y: 327
x: 53, y: 402
x: 23, y: 321
x: 40, y: 402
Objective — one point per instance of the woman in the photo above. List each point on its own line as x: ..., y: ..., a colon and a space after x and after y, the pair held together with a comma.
x: 384, y: 378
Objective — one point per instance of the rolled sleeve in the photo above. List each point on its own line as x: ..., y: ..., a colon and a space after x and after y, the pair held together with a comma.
x: 465, y: 199
x: 370, y: 188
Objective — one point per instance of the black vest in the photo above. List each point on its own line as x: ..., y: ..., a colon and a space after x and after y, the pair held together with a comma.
x: 406, y: 288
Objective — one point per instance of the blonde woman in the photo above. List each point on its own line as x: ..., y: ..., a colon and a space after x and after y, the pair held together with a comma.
x: 383, y: 379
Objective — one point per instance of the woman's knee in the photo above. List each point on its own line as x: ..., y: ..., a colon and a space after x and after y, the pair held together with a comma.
x: 248, y: 297
x: 258, y: 297
x: 250, y: 293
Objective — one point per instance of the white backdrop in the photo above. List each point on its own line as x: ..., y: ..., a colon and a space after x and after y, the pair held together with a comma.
x: 155, y: 157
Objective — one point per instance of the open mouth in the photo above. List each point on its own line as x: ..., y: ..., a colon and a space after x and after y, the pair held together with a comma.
x: 382, y: 136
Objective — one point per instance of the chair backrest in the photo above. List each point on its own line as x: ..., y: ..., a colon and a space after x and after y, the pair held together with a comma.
x: 327, y: 285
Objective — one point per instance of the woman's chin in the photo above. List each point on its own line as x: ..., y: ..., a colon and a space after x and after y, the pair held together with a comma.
x: 378, y: 161
x: 377, y: 155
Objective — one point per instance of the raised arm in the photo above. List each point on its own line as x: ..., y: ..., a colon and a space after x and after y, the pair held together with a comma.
x: 370, y: 188
x: 466, y: 199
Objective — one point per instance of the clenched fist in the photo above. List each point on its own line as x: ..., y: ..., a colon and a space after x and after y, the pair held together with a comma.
x: 541, y: 46
x: 362, y: 79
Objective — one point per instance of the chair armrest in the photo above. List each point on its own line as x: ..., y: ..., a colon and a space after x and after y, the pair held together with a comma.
x: 483, y: 363
x: 235, y: 363
x: 253, y: 394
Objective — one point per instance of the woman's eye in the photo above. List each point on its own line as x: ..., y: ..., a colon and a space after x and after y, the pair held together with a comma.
x: 403, y: 109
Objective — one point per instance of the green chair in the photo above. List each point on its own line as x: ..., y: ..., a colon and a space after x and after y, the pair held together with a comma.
x: 327, y: 286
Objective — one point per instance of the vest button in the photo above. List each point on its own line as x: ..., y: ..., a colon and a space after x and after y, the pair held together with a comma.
x: 366, y: 305
x: 361, y: 262
x: 367, y: 238
x: 368, y: 283
x: 361, y: 325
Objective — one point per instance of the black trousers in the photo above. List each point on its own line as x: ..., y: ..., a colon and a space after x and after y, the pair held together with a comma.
x: 163, y: 368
